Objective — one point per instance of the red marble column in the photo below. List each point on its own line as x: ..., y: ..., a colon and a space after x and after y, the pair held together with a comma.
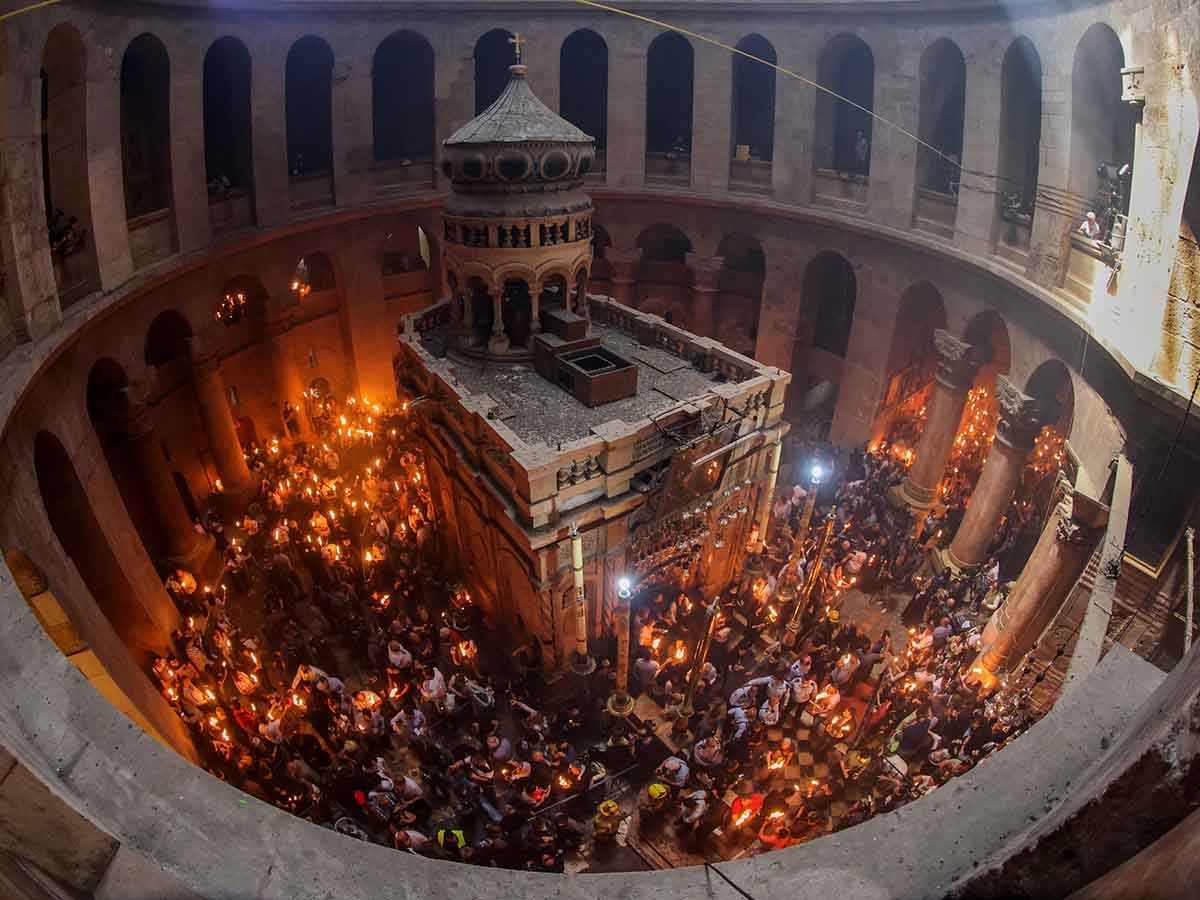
x: 1020, y: 421
x: 1067, y: 541
x: 706, y: 273
x: 181, y: 540
x: 213, y: 404
x: 624, y: 267
x: 958, y: 362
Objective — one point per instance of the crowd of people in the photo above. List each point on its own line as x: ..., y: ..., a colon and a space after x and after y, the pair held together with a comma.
x: 337, y: 670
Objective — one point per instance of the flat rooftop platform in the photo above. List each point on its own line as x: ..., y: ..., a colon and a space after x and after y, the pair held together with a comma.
x: 541, y: 412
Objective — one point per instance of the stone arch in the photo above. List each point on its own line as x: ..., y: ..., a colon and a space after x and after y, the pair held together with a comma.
x: 308, y: 96
x: 670, y: 70
x: 847, y: 67
x: 663, y: 273
x: 1102, y: 127
x: 911, y: 361
x: 250, y: 287
x: 583, y: 86
x: 1020, y: 124
x: 146, y: 148
x: 740, y: 287
x: 316, y: 270
x: 943, y: 104
x: 228, y: 126
x: 402, y: 97
x: 754, y: 97
x: 989, y: 330
x: 493, y: 55
x: 1052, y: 387
x: 65, y: 177
x: 830, y: 289
x: 79, y: 533
x: 168, y: 339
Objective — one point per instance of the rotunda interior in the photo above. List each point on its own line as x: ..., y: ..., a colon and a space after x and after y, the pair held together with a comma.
x: 463, y: 449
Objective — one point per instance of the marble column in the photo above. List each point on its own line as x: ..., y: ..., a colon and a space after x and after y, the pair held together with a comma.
x: 706, y: 272
x: 624, y: 265
x: 213, y: 403
x: 180, y: 538
x: 289, y: 387
x: 958, y: 362
x: 1067, y: 541
x: 1020, y: 421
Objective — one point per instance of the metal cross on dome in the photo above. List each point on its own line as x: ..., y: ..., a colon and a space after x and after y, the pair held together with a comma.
x: 518, y: 43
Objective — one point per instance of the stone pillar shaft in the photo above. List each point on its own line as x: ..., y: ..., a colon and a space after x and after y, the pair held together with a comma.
x: 1061, y: 554
x: 767, y: 499
x: 1020, y: 421
x: 288, y: 385
x: 209, y: 386
x: 957, y: 364
x: 624, y: 265
x: 706, y: 273
x: 181, y: 539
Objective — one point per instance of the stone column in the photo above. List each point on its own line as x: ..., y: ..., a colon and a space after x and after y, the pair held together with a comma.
x: 499, y: 341
x: 1062, y: 552
x: 535, y: 308
x: 189, y: 188
x: 288, y: 385
x: 624, y: 265
x: 182, y: 541
x: 767, y: 499
x: 211, y: 400
x: 1020, y: 421
x: 958, y: 362
x: 706, y: 271
x: 106, y: 184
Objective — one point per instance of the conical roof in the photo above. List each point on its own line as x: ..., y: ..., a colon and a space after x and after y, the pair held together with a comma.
x: 517, y: 117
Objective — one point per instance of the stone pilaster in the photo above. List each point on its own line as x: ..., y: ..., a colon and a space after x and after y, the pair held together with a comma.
x: 706, y: 273
x: 213, y: 404
x: 624, y: 267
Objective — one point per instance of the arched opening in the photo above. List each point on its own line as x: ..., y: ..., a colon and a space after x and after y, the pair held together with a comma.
x: 146, y: 149
x: 827, y: 297
x: 753, y: 114
x: 943, y: 108
x: 516, y: 308
x: 670, y: 66
x: 308, y: 91
x: 664, y: 282
x: 1051, y: 386
x: 65, y: 165
x: 168, y: 339
x: 402, y: 97
x: 555, y: 294
x: 246, y: 298
x: 494, y: 53
x: 740, y: 285
x: 480, y: 312
x: 1020, y: 141
x: 583, y: 87
x: 911, y: 363
x: 228, y: 129
x: 407, y: 272
x: 314, y: 274
x: 1102, y: 130
x: 78, y: 530
x: 989, y: 331
x: 842, y: 137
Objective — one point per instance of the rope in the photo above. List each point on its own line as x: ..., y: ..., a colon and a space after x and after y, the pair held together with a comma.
x: 790, y: 73
x: 726, y: 879
x: 26, y: 9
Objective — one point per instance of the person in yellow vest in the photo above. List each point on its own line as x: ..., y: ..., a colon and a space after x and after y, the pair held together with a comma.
x: 606, y: 821
x: 451, y: 841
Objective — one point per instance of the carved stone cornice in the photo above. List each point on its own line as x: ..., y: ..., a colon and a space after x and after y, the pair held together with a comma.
x: 1020, y: 416
x: 706, y: 271
x: 958, y: 361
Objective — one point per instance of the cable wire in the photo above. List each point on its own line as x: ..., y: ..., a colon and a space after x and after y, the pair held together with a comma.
x: 26, y: 9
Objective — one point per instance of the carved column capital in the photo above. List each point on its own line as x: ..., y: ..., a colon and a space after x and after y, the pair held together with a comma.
x: 623, y: 263
x: 1079, y: 519
x: 1020, y: 416
x: 958, y: 361
x: 706, y: 270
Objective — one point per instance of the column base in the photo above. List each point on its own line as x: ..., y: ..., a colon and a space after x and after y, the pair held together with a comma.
x: 907, y: 494
x: 943, y: 559
x: 582, y: 665
x: 619, y: 705
x: 498, y: 343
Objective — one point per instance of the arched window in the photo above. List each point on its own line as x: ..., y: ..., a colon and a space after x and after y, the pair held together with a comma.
x: 1102, y: 127
x: 167, y: 339
x: 228, y: 150
x: 65, y: 165
x: 842, y: 139
x: 1020, y: 129
x: 669, y: 76
x: 494, y: 53
x: 309, y: 101
x: 943, y: 107
x: 402, y: 91
x: 829, y: 278
x: 754, y: 98
x: 146, y: 126
x: 583, y: 85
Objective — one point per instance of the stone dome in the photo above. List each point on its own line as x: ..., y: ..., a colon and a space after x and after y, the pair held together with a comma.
x: 517, y: 157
